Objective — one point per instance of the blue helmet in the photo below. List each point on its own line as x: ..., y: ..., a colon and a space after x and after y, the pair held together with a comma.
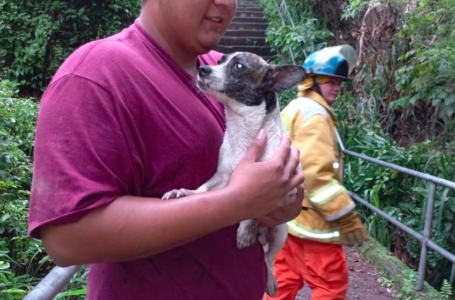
x: 331, y: 62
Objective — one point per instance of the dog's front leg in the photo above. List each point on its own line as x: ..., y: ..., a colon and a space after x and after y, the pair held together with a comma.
x: 276, y: 237
x: 246, y: 233
x: 218, y: 181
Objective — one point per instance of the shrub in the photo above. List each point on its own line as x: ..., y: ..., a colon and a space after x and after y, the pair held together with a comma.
x: 20, y: 256
x: 36, y: 36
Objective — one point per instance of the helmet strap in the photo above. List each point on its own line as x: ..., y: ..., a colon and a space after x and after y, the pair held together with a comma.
x: 316, y: 87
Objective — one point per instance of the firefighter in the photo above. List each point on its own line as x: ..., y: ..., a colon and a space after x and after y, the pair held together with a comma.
x: 313, y: 252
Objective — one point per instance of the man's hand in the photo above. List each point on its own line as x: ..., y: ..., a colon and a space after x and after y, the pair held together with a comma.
x: 352, y: 232
x: 286, y: 214
x: 261, y: 188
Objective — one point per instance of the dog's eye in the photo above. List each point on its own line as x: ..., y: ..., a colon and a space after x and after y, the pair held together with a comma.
x: 238, y: 66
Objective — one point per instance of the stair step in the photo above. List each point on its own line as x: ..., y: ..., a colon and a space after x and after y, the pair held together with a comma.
x: 249, y: 20
x: 243, y: 5
x: 247, y: 14
x: 261, y: 50
x: 252, y: 2
x: 249, y: 8
x: 247, y: 2
x: 247, y: 33
x: 242, y: 41
x: 248, y: 26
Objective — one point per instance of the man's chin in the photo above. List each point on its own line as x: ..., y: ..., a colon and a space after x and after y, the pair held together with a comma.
x: 210, y: 44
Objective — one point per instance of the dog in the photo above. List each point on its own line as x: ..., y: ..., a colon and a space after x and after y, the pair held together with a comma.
x: 247, y: 86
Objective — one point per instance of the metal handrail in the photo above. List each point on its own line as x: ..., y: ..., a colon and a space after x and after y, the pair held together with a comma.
x: 52, y: 284
x: 425, y: 238
x: 425, y: 176
x: 284, y: 6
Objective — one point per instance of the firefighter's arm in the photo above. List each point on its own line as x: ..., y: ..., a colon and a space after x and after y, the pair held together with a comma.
x: 314, y: 139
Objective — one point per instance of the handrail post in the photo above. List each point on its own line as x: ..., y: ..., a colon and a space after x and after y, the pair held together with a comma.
x: 342, y: 162
x: 452, y: 274
x: 342, y: 156
x: 426, y: 237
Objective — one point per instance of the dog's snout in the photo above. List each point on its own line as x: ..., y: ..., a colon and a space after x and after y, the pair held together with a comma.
x: 204, y: 70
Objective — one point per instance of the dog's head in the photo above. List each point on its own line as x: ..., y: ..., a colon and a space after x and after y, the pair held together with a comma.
x: 247, y: 79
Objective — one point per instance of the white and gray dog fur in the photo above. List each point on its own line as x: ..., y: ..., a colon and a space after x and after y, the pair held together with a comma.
x: 248, y: 86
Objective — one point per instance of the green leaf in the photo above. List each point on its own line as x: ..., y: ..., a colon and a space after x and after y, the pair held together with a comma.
x: 3, y: 278
x: 4, y: 265
x: 14, y: 291
x: 72, y: 293
x: 44, y: 259
x: 450, y: 99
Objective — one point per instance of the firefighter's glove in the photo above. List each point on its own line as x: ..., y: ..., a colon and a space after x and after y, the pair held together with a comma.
x: 352, y: 232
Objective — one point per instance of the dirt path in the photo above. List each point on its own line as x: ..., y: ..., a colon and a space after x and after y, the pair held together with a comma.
x: 363, y: 280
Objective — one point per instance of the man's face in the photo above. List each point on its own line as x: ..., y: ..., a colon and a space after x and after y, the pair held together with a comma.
x: 330, y: 90
x: 196, y: 25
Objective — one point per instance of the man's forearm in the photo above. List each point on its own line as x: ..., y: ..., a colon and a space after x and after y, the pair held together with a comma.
x: 131, y: 228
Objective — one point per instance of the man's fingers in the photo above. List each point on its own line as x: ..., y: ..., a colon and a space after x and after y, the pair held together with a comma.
x: 257, y: 147
x: 354, y: 238
x: 301, y: 189
x: 290, y: 200
x: 296, y: 179
x: 282, y: 153
x: 293, y: 161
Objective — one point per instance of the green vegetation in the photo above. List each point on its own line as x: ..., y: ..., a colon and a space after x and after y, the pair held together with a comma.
x: 307, y: 36
x: 35, y: 38
x: 446, y: 290
x: 429, y: 64
x: 399, y: 108
x: 394, y: 272
x: 23, y: 261
x: 20, y: 257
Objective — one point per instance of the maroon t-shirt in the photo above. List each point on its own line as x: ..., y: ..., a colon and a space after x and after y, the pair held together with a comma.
x: 120, y: 117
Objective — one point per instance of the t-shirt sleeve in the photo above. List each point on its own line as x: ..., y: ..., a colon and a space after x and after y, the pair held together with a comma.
x: 81, y: 158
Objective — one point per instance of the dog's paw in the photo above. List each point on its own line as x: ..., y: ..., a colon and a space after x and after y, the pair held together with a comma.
x: 272, y: 286
x: 177, y: 194
x: 246, y: 239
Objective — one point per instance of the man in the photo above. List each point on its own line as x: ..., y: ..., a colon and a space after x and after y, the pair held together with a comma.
x: 120, y: 124
x: 313, y: 251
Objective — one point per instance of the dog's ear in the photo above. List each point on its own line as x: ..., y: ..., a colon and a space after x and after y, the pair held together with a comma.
x: 280, y: 78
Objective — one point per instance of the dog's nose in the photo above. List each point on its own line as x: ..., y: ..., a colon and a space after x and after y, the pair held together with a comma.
x: 204, y: 70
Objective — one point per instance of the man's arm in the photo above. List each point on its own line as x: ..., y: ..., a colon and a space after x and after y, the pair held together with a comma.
x: 326, y: 193
x: 131, y: 227
x: 314, y: 140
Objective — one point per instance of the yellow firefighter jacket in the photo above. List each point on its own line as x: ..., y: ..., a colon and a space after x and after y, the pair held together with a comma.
x: 310, y: 124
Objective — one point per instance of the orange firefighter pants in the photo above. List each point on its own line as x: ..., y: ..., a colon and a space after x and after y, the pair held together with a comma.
x: 322, y: 266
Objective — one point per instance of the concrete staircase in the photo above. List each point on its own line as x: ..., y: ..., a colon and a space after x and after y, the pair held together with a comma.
x: 247, y: 31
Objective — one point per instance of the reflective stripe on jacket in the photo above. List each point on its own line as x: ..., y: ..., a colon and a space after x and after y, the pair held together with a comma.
x: 310, y: 124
